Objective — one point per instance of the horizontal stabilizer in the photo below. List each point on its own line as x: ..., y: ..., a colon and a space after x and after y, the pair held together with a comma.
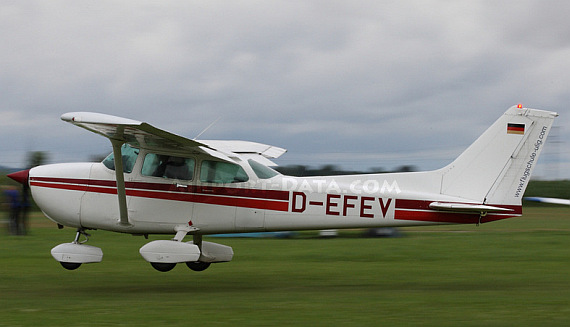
x: 549, y: 200
x: 465, y: 207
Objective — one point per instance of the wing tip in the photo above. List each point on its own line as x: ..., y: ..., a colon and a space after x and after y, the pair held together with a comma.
x: 97, y: 118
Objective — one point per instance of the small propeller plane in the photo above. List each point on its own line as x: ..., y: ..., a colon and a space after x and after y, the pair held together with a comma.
x: 156, y: 182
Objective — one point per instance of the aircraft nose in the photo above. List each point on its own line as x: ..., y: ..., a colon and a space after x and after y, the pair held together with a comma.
x: 21, y: 176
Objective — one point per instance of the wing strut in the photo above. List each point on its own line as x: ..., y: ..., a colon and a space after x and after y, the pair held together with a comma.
x: 120, y: 179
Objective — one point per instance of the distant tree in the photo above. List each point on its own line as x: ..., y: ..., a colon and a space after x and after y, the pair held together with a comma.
x: 36, y: 158
x: 377, y: 170
x: 405, y: 169
x: 329, y: 170
x: 97, y: 157
x: 296, y: 170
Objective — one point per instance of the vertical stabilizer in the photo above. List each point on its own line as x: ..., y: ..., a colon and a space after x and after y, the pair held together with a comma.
x: 496, y: 168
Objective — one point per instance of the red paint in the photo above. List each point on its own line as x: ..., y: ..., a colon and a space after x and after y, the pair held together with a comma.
x: 384, y: 207
x: 364, y: 206
x: 331, y: 204
x: 295, y: 207
x: 20, y: 176
x: 219, y: 196
x: 347, y: 205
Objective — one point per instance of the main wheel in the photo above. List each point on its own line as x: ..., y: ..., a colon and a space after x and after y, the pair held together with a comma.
x: 198, y: 265
x: 161, y: 266
x: 70, y: 265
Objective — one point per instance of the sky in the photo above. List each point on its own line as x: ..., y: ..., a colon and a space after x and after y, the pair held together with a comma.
x: 357, y: 84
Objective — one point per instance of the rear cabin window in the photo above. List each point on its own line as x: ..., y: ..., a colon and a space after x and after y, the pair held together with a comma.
x: 165, y: 166
x: 262, y: 171
x: 221, y: 172
x: 129, y: 156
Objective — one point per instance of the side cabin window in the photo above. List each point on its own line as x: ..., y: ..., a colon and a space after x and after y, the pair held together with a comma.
x: 129, y: 156
x: 221, y: 172
x: 165, y: 166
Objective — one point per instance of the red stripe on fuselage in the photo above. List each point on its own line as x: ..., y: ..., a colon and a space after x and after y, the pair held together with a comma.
x: 210, y: 190
x: 239, y: 197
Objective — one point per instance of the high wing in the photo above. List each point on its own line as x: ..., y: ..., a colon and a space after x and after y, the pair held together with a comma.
x: 143, y: 135
x: 137, y: 134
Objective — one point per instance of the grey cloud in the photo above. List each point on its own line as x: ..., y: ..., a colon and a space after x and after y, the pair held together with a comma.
x: 312, y: 76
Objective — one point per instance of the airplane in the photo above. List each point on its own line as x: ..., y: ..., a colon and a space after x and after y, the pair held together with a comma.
x: 157, y: 182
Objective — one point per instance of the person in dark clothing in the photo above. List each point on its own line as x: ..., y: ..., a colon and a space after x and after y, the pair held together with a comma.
x: 24, y: 209
x: 13, y: 201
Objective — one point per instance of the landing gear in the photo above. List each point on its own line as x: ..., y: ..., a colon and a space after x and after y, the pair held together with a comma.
x: 198, y: 265
x: 72, y: 255
x: 163, y: 255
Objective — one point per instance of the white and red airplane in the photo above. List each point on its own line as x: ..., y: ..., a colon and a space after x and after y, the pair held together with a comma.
x: 156, y: 182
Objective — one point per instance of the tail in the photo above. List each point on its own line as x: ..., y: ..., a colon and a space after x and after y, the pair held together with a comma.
x: 497, y: 167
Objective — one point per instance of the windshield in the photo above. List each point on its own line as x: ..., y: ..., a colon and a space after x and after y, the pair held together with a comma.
x: 129, y: 156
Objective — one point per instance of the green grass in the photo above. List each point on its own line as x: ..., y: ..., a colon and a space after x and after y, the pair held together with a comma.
x: 507, y: 273
x: 553, y: 189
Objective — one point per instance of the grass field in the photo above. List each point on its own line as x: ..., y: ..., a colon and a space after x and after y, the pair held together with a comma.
x: 508, y: 273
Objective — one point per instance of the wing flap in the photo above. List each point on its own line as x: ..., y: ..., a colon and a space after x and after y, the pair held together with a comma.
x: 242, y: 147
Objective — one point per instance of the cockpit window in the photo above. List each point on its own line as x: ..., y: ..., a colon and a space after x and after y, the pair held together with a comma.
x: 129, y: 156
x: 262, y: 171
x: 221, y: 172
x: 160, y: 165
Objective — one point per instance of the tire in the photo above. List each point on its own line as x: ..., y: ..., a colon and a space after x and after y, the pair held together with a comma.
x: 163, y: 267
x: 70, y: 265
x: 198, y: 265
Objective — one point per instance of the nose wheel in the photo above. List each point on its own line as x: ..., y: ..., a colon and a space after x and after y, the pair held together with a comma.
x: 72, y: 255
x: 70, y: 265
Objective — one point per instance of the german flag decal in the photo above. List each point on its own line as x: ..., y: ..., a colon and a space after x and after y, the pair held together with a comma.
x: 513, y: 128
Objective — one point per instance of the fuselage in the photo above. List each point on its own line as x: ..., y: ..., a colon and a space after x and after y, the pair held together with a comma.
x: 166, y: 190
x: 156, y: 182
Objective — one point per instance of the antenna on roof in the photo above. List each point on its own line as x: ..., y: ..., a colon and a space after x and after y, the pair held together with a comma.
x: 205, y: 129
